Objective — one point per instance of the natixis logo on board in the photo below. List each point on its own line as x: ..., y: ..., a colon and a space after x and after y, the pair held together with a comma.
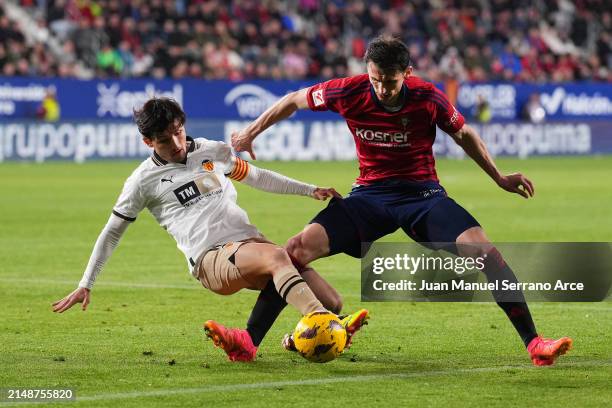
x: 568, y: 103
x: 115, y: 102
x: 250, y: 100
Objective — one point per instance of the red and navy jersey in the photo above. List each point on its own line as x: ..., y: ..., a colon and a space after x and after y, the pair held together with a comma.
x: 390, y: 145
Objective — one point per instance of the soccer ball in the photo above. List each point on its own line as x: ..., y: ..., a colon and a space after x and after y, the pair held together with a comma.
x: 319, y: 337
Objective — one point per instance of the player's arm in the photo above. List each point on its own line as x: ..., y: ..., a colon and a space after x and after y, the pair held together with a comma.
x: 242, y: 140
x: 105, y: 245
x: 473, y: 145
x: 270, y: 181
x: 130, y: 202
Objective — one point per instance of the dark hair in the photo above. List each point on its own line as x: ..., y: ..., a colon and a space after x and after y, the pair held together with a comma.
x: 156, y: 115
x: 388, y: 53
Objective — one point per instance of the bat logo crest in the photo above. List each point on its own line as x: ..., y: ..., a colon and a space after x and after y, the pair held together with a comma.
x: 208, y: 165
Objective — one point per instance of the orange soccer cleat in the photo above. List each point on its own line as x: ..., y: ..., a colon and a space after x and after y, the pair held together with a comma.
x: 545, y: 351
x: 236, y: 343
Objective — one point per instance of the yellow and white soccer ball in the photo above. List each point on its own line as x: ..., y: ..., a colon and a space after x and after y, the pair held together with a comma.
x: 319, y: 337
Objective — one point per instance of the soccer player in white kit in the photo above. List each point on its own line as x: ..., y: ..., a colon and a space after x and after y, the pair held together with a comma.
x: 186, y: 186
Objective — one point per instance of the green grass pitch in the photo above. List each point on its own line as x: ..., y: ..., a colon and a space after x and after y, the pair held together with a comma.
x: 140, y: 342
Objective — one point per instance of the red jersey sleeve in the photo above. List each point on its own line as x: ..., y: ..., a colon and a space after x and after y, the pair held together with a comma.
x: 447, y: 116
x: 319, y: 95
x: 337, y: 94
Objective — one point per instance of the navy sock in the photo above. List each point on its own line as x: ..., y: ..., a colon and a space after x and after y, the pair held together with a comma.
x: 512, y: 303
x: 268, y: 306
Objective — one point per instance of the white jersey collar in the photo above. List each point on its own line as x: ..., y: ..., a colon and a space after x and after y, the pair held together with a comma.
x: 157, y: 159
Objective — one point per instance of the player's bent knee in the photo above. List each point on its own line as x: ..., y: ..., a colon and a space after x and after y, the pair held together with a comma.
x: 310, y: 244
x: 297, y: 250
x: 277, y: 257
x: 473, y: 242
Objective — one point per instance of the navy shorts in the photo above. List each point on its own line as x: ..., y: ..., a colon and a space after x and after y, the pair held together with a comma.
x: 421, y: 209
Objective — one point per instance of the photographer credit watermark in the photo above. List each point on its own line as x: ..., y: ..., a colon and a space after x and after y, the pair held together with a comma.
x: 439, y: 272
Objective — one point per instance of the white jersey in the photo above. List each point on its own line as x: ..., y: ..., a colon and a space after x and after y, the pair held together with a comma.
x: 195, y: 202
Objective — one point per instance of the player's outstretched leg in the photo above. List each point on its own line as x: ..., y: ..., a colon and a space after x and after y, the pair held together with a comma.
x: 258, y: 262
x: 473, y: 242
x: 270, y: 304
x: 541, y: 351
x: 352, y: 323
x: 252, y: 266
x: 236, y: 343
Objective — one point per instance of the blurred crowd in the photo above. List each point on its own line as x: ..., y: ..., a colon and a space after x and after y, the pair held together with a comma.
x: 477, y: 40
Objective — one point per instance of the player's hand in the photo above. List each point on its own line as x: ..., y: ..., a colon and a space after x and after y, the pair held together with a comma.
x: 243, y: 142
x: 324, y: 193
x: 79, y: 295
x: 517, y: 183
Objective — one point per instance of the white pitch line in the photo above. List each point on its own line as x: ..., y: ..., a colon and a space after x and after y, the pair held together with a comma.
x: 320, y: 381
x: 102, y: 283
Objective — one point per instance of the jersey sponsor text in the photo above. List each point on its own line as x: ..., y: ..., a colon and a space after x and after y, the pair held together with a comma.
x: 369, y: 135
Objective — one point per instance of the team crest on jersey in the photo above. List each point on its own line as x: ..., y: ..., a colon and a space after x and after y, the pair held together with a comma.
x: 317, y: 97
x: 208, y: 165
x: 405, y: 121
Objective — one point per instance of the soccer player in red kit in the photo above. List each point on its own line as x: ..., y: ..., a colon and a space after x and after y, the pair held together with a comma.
x: 393, y: 117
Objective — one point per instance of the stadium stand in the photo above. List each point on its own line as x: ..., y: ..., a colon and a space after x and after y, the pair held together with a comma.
x: 475, y: 40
